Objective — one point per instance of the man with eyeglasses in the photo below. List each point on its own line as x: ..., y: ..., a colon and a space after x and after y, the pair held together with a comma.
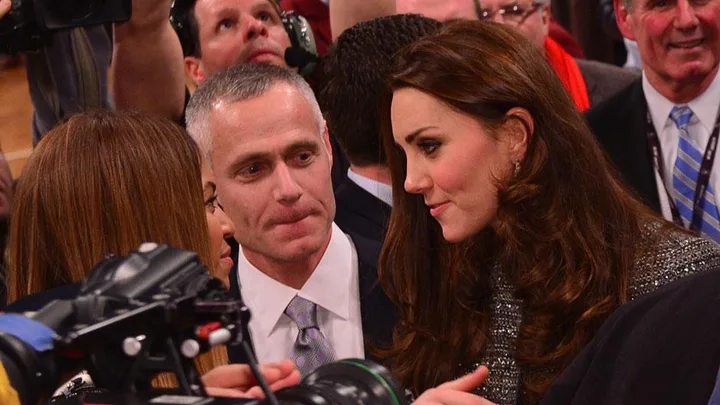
x: 587, y: 82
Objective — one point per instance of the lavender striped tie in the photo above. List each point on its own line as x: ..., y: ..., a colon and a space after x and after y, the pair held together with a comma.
x: 685, y: 176
x: 312, y: 349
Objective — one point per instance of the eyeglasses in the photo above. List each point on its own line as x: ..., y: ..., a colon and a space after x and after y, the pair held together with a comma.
x: 512, y: 14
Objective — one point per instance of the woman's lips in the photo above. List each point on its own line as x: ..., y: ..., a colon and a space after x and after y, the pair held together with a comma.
x: 438, y: 209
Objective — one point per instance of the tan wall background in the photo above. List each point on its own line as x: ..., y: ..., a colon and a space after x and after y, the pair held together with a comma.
x: 15, y: 116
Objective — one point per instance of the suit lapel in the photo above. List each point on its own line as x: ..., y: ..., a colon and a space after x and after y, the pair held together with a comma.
x: 377, y: 311
x: 620, y: 127
x: 590, y: 84
x: 638, y: 150
x: 236, y: 354
x: 353, y: 197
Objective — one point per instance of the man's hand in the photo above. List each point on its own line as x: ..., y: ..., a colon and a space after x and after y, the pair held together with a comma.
x: 237, y: 380
x: 457, y: 392
x: 148, y: 62
x: 4, y: 7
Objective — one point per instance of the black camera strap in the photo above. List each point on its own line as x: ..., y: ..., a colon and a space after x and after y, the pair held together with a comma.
x: 703, y: 176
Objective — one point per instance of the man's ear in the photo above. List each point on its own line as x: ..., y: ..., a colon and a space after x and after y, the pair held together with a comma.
x: 194, y: 69
x: 546, y: 11
x: 624, y: 19
x: 328, y: 145
x: 519, y: 126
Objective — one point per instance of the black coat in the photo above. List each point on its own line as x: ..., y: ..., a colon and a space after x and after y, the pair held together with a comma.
x: 620, y: 125
x: 360, y: 213
x: 661, y: 349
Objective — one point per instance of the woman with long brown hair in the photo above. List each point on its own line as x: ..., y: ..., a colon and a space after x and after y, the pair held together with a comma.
x: 103, y: 183
x: 511, y: 238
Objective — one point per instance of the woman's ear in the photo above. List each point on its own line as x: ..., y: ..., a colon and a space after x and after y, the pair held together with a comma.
x: 519, y: 126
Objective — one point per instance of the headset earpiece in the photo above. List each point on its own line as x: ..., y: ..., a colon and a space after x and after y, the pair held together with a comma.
x: 302, y: 53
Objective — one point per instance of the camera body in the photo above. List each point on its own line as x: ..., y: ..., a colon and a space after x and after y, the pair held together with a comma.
x: 152, y: 312
x: 30, y: 23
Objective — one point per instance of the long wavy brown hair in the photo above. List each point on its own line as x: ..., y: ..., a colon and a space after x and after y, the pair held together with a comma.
x: 103, y: 183
x: 569, y: 230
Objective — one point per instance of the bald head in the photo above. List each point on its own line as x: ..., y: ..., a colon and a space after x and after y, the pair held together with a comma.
x: 441, y: 10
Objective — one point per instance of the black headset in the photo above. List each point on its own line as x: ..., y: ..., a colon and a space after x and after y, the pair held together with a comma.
x: 302, y: 53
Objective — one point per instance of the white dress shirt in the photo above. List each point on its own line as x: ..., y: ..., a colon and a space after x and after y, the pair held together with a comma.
x: 381, y: 191
x: 333, y: 286
x: 705, y: 109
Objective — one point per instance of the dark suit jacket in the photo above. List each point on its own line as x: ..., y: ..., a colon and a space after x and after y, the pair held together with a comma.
x: 619, y: 124
x: 661, y: 349
x: 377, y: 311
x: 359, y: 212
x: 603, y: 80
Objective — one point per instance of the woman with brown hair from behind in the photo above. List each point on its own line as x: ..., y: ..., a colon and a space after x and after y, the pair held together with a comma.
x: 511, y: 238
x: 103, y: 183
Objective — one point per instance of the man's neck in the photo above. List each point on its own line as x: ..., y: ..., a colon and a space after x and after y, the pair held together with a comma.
x: 379, y: 173
x: 681, y: 91
x: 292, y: 273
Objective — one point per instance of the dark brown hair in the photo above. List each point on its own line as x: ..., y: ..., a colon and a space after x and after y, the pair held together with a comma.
x: 569, y: 230
x: 356, y: 70
x: 103, y: 183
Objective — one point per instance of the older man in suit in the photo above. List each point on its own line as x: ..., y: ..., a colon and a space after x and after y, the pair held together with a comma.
x: 587, y: 82
x: 311, y: 288
x: 661, y: 132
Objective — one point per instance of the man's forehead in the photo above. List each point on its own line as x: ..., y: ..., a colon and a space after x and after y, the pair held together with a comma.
x: 215, y: 6
x: 279, y: 109
x: 438, y: 9
x: 485, y: 4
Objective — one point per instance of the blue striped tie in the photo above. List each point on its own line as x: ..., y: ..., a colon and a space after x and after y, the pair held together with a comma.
x: 685, y: 175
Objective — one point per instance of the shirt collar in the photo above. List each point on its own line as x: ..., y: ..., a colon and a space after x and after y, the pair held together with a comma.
x: 379, y: 190
x: 704, y: 106
x: 328, y: 286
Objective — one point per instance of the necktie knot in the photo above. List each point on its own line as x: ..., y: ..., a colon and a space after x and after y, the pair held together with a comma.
x: 302, y: 312
x: 681, y: 116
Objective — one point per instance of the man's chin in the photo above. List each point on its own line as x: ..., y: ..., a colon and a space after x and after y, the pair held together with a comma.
x: 270, y: 59
x: 298, y: 250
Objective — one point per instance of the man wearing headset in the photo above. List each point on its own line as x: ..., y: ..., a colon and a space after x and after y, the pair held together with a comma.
x: 150, y: 64
x: 148, y: 71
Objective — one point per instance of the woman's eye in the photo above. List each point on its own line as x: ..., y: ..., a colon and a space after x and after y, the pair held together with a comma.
x: 428, y: 147
x: 211, y: 204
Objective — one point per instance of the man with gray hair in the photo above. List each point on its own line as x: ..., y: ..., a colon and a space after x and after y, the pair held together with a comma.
x: 662, y: 131
x: 311, y: 288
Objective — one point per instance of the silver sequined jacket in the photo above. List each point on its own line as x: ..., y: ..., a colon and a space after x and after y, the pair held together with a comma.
x: 674, y: 256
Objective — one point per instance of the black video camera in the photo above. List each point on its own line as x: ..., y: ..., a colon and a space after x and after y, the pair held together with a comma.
x: 30, y: 23
x: 153, y: 312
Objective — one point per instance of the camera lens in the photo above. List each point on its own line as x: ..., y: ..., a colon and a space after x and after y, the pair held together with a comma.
x: 351, y: 381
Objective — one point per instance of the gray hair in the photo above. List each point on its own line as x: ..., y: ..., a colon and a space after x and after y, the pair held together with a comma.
x: 239, y: 83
